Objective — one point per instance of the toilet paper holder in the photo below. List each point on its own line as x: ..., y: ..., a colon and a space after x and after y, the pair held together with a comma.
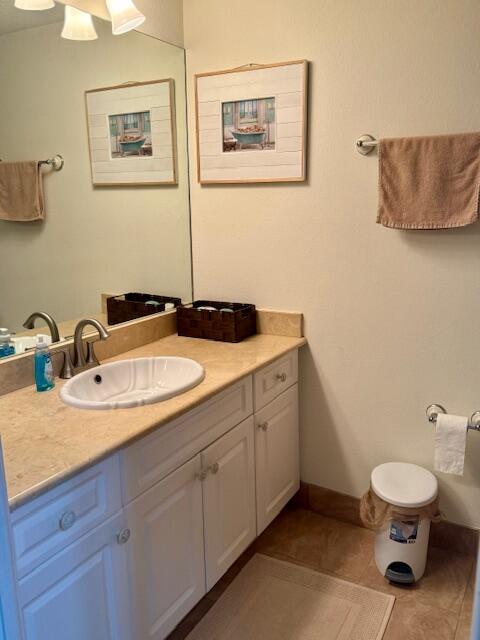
x: 434, y: 409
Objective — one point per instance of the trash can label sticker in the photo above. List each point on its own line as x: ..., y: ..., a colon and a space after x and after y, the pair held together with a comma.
x: 404, y: 529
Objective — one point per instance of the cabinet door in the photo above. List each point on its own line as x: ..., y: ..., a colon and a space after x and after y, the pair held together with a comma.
x: 166, y: 553
x: 228, y: 499
x: 81, y: 592
x: 276, y: 455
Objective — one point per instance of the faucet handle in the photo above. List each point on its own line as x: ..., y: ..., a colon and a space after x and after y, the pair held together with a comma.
x: 67, y: 370
x: 91, y: 357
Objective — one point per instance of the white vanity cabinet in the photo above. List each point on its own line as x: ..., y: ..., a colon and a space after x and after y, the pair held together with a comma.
x: 124, y: 550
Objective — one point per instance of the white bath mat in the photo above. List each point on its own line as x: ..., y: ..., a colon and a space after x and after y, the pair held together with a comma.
x: 275, y: 600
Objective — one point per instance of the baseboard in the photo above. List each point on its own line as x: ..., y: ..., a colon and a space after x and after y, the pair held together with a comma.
x: 339, y: 506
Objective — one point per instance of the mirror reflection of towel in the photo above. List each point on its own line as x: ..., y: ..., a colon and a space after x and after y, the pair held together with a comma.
x: 21, y: 191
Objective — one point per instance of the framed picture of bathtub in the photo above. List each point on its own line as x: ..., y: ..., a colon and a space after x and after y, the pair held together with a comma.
x: 251, y: 123
x: 131, y: 134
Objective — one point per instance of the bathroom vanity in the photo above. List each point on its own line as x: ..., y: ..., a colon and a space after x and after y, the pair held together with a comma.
x: 143, y: 520
x: 114, y: 523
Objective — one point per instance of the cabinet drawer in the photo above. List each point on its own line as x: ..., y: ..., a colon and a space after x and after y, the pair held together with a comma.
x: 154, y: 457
x: 270, y: 381
x: 53, y: 520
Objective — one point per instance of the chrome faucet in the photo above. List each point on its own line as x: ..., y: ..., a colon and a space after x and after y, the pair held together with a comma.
x: 51, y: 324
x: 80, y: 362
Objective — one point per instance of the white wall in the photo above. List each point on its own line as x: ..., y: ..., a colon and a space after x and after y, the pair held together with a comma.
x: 164, y: 18
x: 392, y: 318
x: 93, y: 240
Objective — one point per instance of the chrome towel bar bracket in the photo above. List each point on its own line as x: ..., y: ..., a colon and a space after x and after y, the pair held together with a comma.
x: 56, y: 162
x: 366, y: 144
x: 434, y: 409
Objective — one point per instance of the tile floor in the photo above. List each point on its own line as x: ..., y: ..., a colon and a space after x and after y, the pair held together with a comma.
x: 439, y: 607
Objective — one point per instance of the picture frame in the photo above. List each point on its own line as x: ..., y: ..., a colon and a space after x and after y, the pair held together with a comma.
x: 132, y: 133
x: 251, y: 123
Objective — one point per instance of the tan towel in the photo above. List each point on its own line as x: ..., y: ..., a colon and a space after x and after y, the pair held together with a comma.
x: 21, y: 191
x: 429, y: 182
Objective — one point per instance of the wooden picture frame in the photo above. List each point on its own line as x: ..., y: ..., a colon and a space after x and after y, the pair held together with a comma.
x: 251, y: 123
x: 132, y: 133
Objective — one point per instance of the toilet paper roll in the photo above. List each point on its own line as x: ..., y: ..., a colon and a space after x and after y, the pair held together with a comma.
x: 450, y: 443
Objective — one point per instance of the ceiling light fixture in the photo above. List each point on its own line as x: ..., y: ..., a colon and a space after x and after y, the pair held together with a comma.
x: 125, y: 16
x: 78, y: 25
x: 34, y: 5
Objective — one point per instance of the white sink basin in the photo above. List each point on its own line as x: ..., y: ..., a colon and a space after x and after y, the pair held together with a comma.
x: 132, y: 383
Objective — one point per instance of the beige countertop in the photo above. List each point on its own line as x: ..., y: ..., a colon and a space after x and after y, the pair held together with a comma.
x: 44, y: 441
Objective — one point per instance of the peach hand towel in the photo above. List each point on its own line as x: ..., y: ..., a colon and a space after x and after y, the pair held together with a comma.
x: 21, y: 191
x: 429, y: 182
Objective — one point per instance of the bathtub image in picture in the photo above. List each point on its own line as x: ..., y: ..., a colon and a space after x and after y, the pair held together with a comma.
x: 249, y: 125
x: 130, y: 135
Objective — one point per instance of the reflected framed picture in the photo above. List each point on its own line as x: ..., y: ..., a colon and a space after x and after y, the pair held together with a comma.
x: 251, y: 123
x: 131, y: 133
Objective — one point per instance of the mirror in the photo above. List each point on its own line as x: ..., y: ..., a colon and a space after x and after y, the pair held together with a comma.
x: 99, y: 237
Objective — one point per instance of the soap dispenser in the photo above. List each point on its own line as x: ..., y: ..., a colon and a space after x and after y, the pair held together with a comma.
x: 44, y: 378
x: 7, y: 348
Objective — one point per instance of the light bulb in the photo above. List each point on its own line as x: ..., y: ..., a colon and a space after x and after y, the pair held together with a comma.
x: 78, y: 25
x: 125, y: 16
x: 34, y: 5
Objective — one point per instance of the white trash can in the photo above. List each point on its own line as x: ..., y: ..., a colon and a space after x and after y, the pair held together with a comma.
x: 401, y: 544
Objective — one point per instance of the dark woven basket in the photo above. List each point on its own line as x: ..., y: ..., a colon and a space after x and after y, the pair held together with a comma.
x: 130, y: 306
x: 225, y: 326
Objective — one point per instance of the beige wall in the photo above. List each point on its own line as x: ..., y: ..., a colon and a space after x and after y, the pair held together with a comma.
x: 164, y: 18
x: 93, y: 240
x: 392, y: 318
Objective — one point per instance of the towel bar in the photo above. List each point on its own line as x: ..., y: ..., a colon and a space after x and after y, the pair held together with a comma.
x: 56, y: 162
x: 434, y: 409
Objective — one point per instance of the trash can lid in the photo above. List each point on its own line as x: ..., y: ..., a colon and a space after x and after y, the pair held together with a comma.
x: 404, y: 485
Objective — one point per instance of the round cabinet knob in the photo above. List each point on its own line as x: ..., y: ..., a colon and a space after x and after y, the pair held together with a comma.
x: 214, y: 468
x: 263, y: 426
x: 123, y: 536
x: 281, y: 377
x: 67, y: 520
